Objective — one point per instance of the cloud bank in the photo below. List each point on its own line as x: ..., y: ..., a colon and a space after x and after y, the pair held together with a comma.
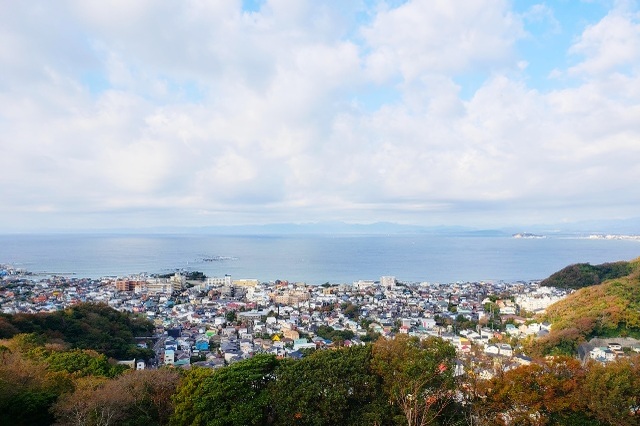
x: 156, y: 113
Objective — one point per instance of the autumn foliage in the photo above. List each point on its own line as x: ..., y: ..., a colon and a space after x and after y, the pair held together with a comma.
x: 610, y: 309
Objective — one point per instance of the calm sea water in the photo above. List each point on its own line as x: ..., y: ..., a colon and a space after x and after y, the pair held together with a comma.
x: 312, y: 259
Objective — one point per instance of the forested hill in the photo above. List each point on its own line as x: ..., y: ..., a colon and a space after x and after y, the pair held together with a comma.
x: 584, y: 275
x: 84, y: 326
x: 609, y: 309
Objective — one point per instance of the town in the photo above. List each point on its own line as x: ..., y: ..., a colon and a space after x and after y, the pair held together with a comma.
x: 217, y: 321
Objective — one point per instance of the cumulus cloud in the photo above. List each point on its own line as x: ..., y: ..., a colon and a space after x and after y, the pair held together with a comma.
x: 610, y: 45
x: 421, y: 37
x: 198, y: 112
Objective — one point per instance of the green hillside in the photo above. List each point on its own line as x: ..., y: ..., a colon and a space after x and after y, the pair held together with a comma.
x: 609, y: 309
x: 84, y: 326
x: 584, y: 275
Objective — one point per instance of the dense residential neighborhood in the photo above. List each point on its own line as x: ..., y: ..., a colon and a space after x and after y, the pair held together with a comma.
x: 222, y: 320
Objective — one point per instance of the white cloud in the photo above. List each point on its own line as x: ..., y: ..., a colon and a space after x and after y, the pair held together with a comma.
x: 198, y: 111
x: 439, y: 36
x: 609, y: 45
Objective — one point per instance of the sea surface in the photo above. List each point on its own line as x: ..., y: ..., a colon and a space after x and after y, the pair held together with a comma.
x: 314, y: 259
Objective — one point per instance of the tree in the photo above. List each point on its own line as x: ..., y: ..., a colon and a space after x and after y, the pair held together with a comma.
x: 83, y: 362
x: 230, y: 316
x: 89, y: 404
x: 583, y: 274
x: 234, y: 395
x: 350, y: 310
x: 27, y: 391
x: 27, y: 387
x: 334, y: 387
x: 149, y: 392
x: 328, y: 332
x: 544, y: 393
x: 140, y: 397
x: 417, y: 376
x: 612, y: 391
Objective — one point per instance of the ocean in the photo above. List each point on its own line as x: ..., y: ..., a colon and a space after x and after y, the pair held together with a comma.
x: 314, y: 259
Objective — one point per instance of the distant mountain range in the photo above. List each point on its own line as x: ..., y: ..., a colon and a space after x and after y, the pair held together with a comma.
x: 318, y: 228
x: 627, y: 227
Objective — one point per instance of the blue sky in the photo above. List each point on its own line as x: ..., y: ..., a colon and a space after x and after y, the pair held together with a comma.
x: 487, y: 113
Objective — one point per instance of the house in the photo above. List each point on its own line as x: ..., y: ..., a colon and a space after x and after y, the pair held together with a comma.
x: 505, y: 349
x: 615, y: 347
x: 246, y: 346
x: 171, y: 344
x: 508, y: 310
x: 169, y: 357
x: 522, y: 360
x: 512, y: 330
x: 232, y: 355
x: 183, y: 359
x: 295, y: 355
x: 428, y: 323
x: 303, y: 344
x: 492, y: 350
x: 202, y: 344
x: 129, y: 363
x: 602, y: 354
x: 289, y: 333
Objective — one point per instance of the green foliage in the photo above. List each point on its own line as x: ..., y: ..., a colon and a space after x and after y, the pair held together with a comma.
x: 34, y: 374
x: 28, y: 406
x: 583, y: 274
x: 230, y: 316
x: 334, y: 387
x: 88, y: 326
x: 417, y: 376
x: 7, y: 330
x: 28, y: 387
x: 236, y: 395
x: 329, y: 333
x: 371, y: 336
x: 401, y: 381
x: 463, y: 323
x: 81, y: 362
x: 189, y: 410
x: 198, y: 358
x: 612, y: 391
x: 350, y: 310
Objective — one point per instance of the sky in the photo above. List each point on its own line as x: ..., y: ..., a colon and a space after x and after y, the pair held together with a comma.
x: 152, y: 113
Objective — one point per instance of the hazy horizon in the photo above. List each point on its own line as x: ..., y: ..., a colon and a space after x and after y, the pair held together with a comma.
x: 621, y: 227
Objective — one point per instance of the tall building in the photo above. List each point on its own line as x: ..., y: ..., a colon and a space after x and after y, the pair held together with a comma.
x: 246, y: 283
x: 388, y: 282
x: 363, y: 284
x: 124, y: 285
x: 220, y: 281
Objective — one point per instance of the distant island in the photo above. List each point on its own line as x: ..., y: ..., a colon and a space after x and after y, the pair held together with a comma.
x: 218, y: 258
x: 528, y: 235
x: 613, y: 237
